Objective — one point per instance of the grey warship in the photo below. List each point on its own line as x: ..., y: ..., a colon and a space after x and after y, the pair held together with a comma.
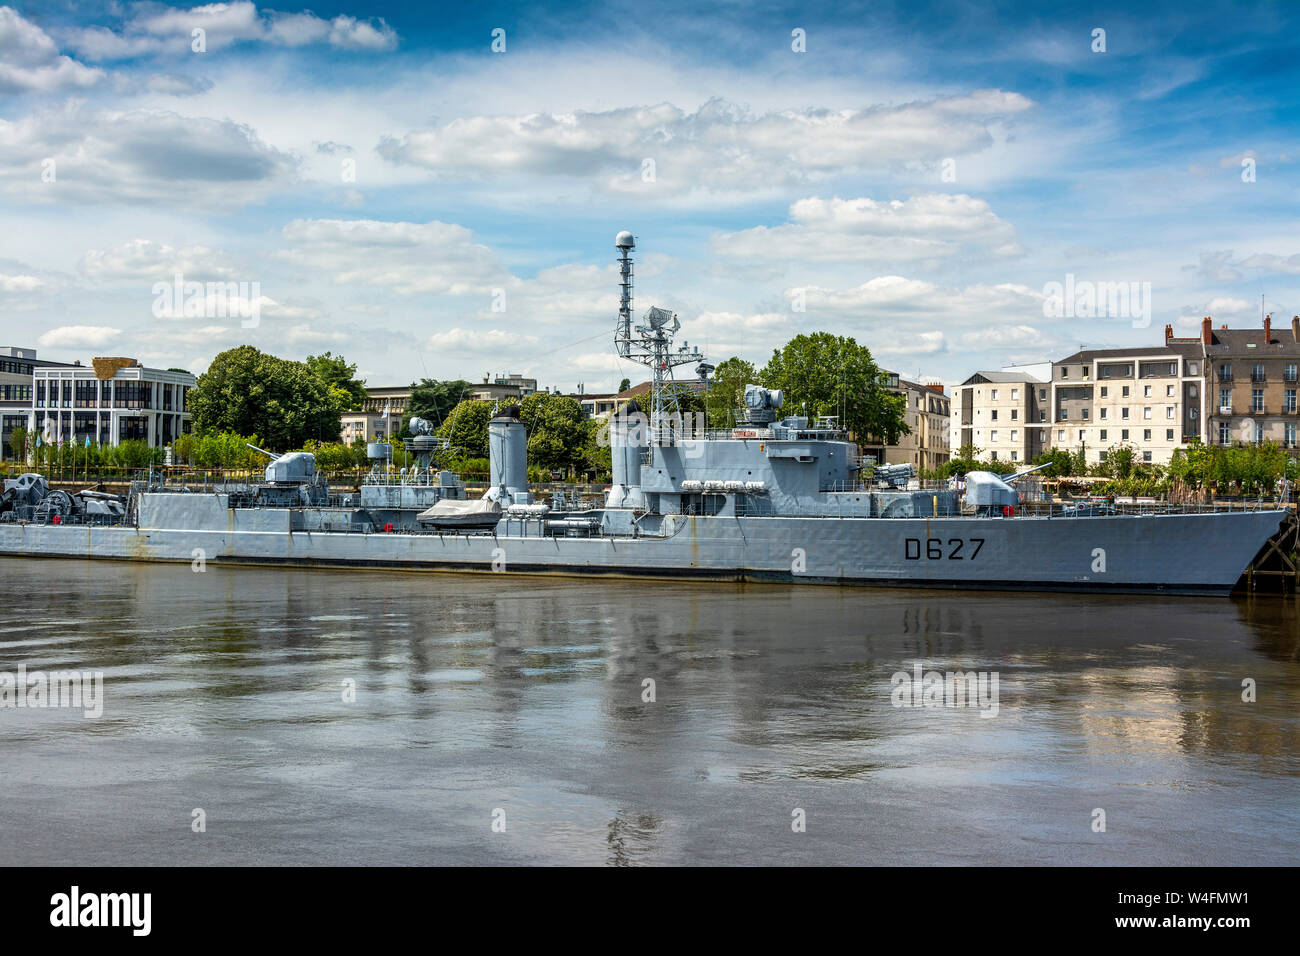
x: 777, y: 498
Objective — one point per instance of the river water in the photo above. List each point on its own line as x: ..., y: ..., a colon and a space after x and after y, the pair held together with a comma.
x: 503, y: 719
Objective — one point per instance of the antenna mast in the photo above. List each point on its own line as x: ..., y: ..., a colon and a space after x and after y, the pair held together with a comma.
x: 651, y: 345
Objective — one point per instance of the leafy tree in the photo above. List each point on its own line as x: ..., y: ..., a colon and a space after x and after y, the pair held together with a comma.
x: 18, y: 444
x: 1060, y: 462
x: 727, y: 392
x: 247, y: 391
x: 624, y: 385
x: 557, y: 430
x: 834, y: 375
x: 341, y: 377
x: 465, y: 427
x: 433, y: 400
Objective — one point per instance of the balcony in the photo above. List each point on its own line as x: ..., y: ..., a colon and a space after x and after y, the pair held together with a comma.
x: 1258, y: 377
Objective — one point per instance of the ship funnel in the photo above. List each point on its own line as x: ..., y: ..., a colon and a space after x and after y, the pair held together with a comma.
x: 508, y: 456
x: 628, y: 435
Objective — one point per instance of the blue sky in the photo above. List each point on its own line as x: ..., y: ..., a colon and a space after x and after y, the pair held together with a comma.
x: 403, y: 194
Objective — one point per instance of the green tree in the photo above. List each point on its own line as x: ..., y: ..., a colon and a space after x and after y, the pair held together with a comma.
x: 833, y: 375
x: 624, y: 385
x: 335, y: 372
x: 1060, y: 462
x: 557, y: 430
x: 433, y: 400
x: 247, y: 391
x: 465, y: 427
x: 727, y: 392
x: 18, y: 444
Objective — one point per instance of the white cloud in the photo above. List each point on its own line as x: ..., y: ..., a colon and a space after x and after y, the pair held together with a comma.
x: 721, y: 148
x: 30, y: 61
x: 20, y: 283
x: 78, y: 336
x: 153, y: 29
x: 145, y: 259
x: 854, y: 230
x: 406, y: 258
x: 138, y: 156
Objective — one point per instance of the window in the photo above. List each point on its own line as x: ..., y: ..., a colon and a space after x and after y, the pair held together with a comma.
x: 1042, y: 394
x: 1015, y: 413
x: 994, y: 395
x: 1146, y: 412
x: 1014, y: 433
x: 1084, y: 414
x: 1169, y: 434
x: 993, y: 435
x: 1065, y: 414
x: 1146, y: 456
x: 1257, y: 373
x: 1123, y: 413
x: 1103, y: 436
x: 993, y: 456
x: 1146, y: 434
x: 1081, y: 434
x: 994, y: 414
x: 1123, y: 435
x: 1015, y: 394
x: 1103, y: 412
x: 1225, y: 373
x: 1225, y: 398
x: 1288, y: 373
x: 1169, y: 411
x: 1259, y: 432
x: 1289, y: 432
x: 1125, y: 392
x: 1169, y: 391
x: 1060, y: 435
x: 1042, y: 416
x: 1256, y: 399
x: 1224, y: 433
x: 1288, y: 401
x: 1104, y: 390
x: 1191, y: 368
x: 1065, y: 372
x: 1104, y: 454
x: 1146, y: 391
x: 1014, y: 456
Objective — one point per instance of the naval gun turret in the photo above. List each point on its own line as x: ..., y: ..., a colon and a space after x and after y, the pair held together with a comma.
x: 894, y: 476
x: 295, y: 468
x: 993, y: 494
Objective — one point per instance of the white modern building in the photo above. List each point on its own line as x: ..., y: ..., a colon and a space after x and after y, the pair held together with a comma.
x: 110, y: 401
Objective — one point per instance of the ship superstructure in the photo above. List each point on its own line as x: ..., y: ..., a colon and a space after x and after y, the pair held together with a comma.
x: 775, y: 497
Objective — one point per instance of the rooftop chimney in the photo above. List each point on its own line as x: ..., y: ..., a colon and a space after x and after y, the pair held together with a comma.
x: 1295, y: 327
x: 1207, y: 333
x: 1268, y: 328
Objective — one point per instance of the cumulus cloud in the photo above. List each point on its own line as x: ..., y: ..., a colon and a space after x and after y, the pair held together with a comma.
x: 1223, y: 266
x: 30, y: 61
x: 855, y: 230
x: 404, y: 257
x: 140, y: 156
x: 78, y: 336
x: 152, y: 29
x: 20, y: 283
x: 145, y: 259
x: 720, y: 147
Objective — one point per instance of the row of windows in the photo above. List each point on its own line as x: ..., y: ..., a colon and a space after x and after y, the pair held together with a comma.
x: 15, y: 368
x: 1257, y: 400
x: 1258, y: 372
x: 1227, y: 434
x: 1123, y: 370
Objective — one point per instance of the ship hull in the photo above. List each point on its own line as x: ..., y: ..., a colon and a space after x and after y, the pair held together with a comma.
x: 1167, y: 553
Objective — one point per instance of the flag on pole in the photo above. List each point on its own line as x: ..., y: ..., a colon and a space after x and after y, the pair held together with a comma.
x: 87, y: 441
x: 39, y: 442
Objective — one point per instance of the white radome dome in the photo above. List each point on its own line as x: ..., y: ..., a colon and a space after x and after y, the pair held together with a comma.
x: 624, y: 240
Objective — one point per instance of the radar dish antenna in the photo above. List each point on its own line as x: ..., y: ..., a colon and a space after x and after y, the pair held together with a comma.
x: 651, y: 345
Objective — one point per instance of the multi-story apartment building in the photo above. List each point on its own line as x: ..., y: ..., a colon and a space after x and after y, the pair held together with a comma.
x: 1149, y: 399
x: 16, y: 367
x: 927, y: 417
x: 1252, y: 378
x: 111, y: 401
x: 1000, y: 414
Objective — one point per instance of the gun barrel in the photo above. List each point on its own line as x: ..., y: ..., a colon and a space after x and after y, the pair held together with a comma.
x: 269, y: 454
x: 1029, y: 472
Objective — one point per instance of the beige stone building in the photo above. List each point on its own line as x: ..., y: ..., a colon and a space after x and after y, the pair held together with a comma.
x: 1000, y: 414
x: 1252, y: 379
